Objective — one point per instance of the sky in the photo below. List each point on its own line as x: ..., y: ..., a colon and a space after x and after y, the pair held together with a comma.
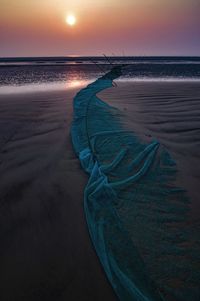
x: 120, y: 27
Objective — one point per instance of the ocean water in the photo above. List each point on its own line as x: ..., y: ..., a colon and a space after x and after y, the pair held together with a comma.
x: 33, y: 74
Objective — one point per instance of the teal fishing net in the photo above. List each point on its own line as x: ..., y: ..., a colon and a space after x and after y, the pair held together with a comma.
x: 137, y: 217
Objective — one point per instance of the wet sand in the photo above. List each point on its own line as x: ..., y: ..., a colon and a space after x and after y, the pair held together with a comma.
x: 46, y: 252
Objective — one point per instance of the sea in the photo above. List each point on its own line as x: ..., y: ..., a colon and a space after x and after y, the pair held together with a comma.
x: 26, y: 74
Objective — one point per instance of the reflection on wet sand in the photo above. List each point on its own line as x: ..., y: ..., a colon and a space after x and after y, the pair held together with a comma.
x: 40, y: 87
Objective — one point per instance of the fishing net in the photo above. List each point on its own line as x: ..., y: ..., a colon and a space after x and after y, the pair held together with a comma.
x: 137, y: 217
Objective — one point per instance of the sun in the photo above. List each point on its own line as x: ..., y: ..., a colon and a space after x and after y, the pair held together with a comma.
x: 71, y: 20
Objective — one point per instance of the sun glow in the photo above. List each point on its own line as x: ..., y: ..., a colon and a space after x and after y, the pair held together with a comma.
x: 71, y: 20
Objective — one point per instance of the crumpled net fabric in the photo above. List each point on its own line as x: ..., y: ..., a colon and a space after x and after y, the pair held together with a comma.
x: 136, y: 216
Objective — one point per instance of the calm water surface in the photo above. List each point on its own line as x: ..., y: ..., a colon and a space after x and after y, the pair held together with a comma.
x: 33, y: 74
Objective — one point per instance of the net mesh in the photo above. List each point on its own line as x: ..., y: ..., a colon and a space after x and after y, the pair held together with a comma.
x: 137, y: 217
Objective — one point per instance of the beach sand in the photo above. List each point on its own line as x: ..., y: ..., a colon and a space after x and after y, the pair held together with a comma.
x: 46, y: 252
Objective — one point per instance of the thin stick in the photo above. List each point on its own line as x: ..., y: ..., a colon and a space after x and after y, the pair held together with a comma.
x: 114, y: 83
x: 107, y: 59
x: 100, y: 68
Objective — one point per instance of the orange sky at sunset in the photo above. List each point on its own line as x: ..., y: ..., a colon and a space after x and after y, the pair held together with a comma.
x: 153, y: 27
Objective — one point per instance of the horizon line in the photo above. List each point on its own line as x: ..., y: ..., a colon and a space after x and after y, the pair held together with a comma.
x: 99, y: 56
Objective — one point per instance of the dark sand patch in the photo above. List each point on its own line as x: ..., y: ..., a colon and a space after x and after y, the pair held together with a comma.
x: 46, y: 252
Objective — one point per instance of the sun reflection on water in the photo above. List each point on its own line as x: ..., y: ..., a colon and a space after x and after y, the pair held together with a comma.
x: 76, y: 83
x: 44, y: 86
